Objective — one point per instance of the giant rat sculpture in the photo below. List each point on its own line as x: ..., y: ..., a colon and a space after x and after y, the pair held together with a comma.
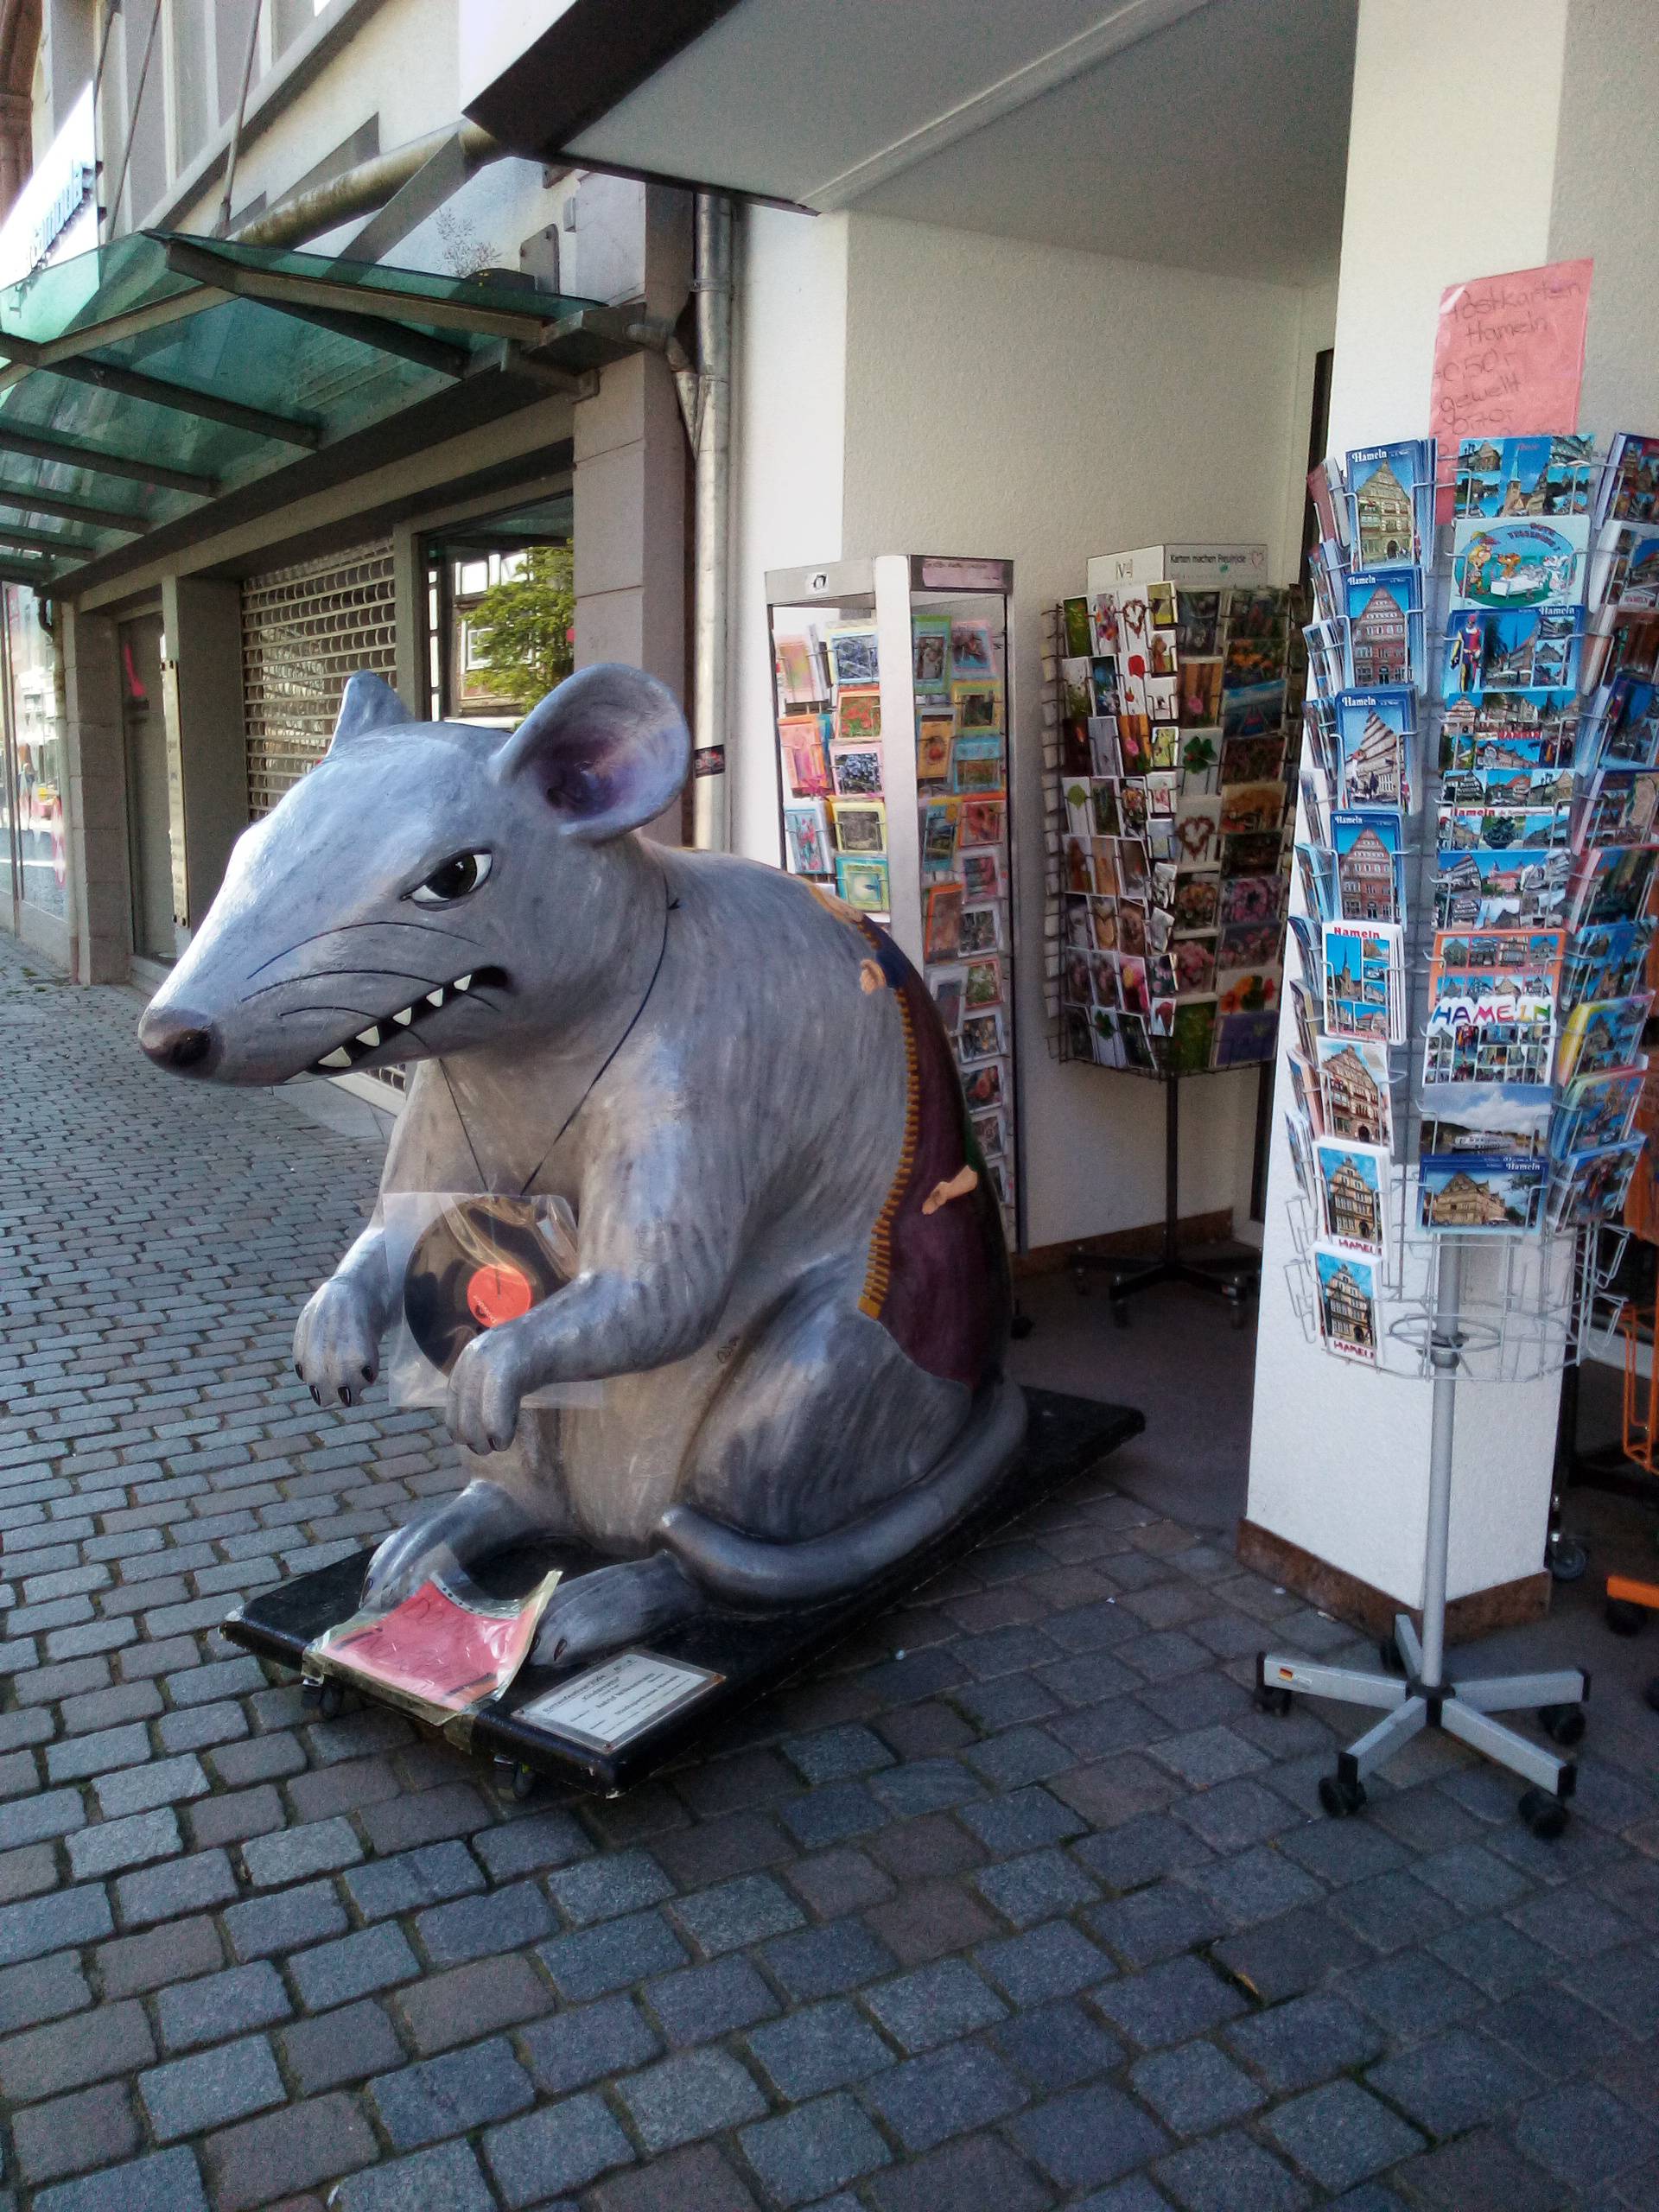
x: 792, y: 1276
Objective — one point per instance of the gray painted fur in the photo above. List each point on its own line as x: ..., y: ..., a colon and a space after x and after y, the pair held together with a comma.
x: 761, y: 1440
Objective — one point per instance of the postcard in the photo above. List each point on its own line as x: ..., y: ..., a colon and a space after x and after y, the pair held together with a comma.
x: 978, y: 705
x: 1252, y: 807
x: 1480, y: 1193
x: 947, y: 985
x: 985, y: 1085
x: 988, y: 1135
x: 1383, y: 631
x: 1077, y: 689
x: 1163, y: 790
x: 806, y: 758
x: 798, y: 678
x: 806, y: 840
x: 980, y: 823
x: 1197, y: 697
x: 861, y: 825
x: 1366, y: 864
x: 982, y: 986
x: 1247, y: 990
x: 1353, y: 1183
x: 1194, y: 962
x: 1606, y: 961
x: 976, y: 764
x: 1517, y: 950
x: 1249, y: 944
x: 935, y: 734
x: 862, y: 884
x: 1257, y: 710
x: 856, y: 769
x: 1624, y: 569
x: 1492, y: 890
x: 1250, y: 853
x: 1355, y: 1099
x: 1116, y: 929
x: 1486, y: 1026
x: 1074, y: 625
x: 1201, y: 760
x: 1516, y: 651
x: 1297, y: 1139
x: 853, y: 658
x: 1362, y: 977
x: 1622, y: 808
x: 1246, y: 1038
x: 1252, y: 760
x: 981, y: 1036
x: 972, y: 648
x: 929, y: 654
x: 858, y: 715
x: 1373, y: 733
x: 981, y: 875
x: 1602, y: 1034
x: 1135, y: 991
x: 982, y: 928
x: 1390, y: 502
x: 1596, y: 1110
x: 1524, y: 477
x: 1163, y: 748
x: 942, y: 922
x: 1348, y: 1287
x: 1591, y: 1186
x: 1198, y: 833
x: 1252, y: 898
x: 938, y: 833
x: 1518, y: 564
x: 1105, y: 757
x: 1134, y: 743
x: 1192, y: 1036
x: 1196, y: 903
x: 1610, y: 883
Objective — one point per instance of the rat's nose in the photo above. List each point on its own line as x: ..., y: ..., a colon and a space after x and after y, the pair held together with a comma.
x: 179, y: 1041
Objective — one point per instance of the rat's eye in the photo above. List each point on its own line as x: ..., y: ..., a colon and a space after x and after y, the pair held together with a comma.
x: 452, y: 879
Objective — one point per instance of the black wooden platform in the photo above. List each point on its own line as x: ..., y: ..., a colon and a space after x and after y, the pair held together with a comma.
x: 752, y: 1656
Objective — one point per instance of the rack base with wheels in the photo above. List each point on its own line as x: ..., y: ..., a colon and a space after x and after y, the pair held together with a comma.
x: 1415, y: 1694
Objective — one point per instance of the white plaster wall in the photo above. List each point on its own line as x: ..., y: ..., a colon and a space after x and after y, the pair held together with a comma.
x: 1339, y: 1456
x: 789, y: 422
x: 1011, y: 399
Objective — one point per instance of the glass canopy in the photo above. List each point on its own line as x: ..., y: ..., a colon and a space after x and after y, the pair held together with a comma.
x: 141, y: 382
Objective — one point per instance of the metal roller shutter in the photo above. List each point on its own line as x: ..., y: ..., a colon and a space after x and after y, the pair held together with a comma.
x: 304, y: 630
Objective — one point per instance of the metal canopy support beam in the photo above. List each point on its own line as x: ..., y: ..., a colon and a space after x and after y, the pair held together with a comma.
x: 28, y: 500
x: 27, y: 572
x: 286, y: 429
x: 36, y: 445
x: 438, y: 178
x: 274, y: 287
x: 42, y: 541
x: 415, y: 346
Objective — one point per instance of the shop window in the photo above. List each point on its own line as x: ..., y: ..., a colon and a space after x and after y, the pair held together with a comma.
x: 192, y: 62
x: 35, y: 771
x: 294, y: 18
x: 147, y: 161
x: 501, y: 611
x: 231, y: 19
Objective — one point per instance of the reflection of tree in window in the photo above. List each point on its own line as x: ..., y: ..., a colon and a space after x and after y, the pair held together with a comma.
x: 519, y: 631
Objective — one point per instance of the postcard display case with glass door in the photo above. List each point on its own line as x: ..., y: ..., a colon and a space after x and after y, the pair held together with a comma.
x: 893, y: 722
x: 1473, y: 980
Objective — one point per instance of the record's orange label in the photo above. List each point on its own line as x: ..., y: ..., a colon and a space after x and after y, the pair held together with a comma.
x: 496, y: 1294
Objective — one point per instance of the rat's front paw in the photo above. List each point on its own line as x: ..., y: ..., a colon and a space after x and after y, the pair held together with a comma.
x: 337, y: 1344
x: 487, y: 1384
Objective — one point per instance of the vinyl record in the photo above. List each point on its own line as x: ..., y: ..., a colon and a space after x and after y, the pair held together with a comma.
x: 483, y: 1261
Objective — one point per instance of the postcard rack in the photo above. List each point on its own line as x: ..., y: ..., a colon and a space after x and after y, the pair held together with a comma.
x: 891, y: 681
x: 1478, y: 823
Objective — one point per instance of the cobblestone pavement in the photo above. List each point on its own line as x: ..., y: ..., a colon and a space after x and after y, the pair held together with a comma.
x: 1018, y: 1903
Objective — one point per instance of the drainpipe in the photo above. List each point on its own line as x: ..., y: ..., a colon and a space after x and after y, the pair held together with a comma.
x: 361, y: 190
x: 711, y: 285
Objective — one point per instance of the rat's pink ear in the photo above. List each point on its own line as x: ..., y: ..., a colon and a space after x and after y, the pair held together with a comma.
x: 609, y: 748
x: 367, y: 703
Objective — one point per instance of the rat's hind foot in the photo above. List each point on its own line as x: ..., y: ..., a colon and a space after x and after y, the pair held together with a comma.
x: 461, y: 1532
x: 612, y: 1606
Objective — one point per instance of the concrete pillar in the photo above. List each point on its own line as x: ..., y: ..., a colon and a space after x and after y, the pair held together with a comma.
x: 1339, y: 1456
x: 100, y: 868
x: 206, y: 749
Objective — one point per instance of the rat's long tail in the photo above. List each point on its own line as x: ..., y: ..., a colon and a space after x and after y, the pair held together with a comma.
x: 751, y: 1571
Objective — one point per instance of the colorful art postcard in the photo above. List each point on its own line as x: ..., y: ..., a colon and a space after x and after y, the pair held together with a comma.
x: 942, y: 922
x: 1596, y: 1110
x: 1611, y: 884
x: 1197, y: 903
x: 855, y: 658
x: 981, y: 875
x: 856, y: 770
x: 982, y: 986
x: 982, y: 928
x: 1192, y: 1036
x: 798, y: 680
x: 935, y: 734
x: 978, y: 705
x: 1490, y: 1028
x: 1252, y: 760
x: 1630, y: 722
x: 973, y: 648
x: 1198, y: 699
x: 1252, y: 851
x: 976, y: 764
x: 1391, y: 502
x: 1363, y: 973
x: 1079, y: 807
x: 929, y: 654
x: 947, y: 985
x: 1135, y: 743
x: 858, y: 716
x: 1247, y: 990
x: 1164, y: 746
x: 938, y: 834
x: 988, y: 1135
x: 1253, y: 898
x: 1163, y: 792
x: 1353, y: 1186
x: 861, y: 825
x: 1524, y: 477
x: 1249, y: 944
x: 1502, y: 829
x: 1192, y: 960
x: 1198, y: 833
x: 1500, y: 890
x: 981, y: 1036
x: 1355, y: 1099
x: 1257, y: 710
x: 1105, y: 757
x: 1366, y: 859
x: 1374, y: 730
x: 1245, y: 1039
x: 1603, y: 1033
x: 1480, y: 1193
x: 806, y: 840
x: 1077, y: 689
x: 1251, y: 807
x: 1074, y: 625
x: 806, y: 743
x: 1515, y: 651
x: 985, y: 1085
x: 1348, y: 1284
x: 981, y: 823
x: 1591, y: 1186
x: 862, y: 884
x: 1518, y: 564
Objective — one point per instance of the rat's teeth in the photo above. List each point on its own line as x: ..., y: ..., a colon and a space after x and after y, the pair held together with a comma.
x: 339, y: 1057
x: 463, y: 983
x: 370, y: 1036
x: 436, y: 998
x: 405, y: 1017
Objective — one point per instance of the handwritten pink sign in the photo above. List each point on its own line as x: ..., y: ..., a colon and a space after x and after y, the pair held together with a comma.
x: 1509, y: 358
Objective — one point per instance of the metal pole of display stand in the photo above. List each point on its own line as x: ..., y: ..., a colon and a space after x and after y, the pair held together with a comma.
x: 1233, y: 1280
x: 1414, y: 1694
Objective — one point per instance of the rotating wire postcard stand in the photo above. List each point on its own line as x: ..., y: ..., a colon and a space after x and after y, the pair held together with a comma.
x: 1470, y: 1275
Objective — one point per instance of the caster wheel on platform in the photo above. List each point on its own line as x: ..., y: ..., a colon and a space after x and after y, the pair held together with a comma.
x: 1021, y: 1327
x: 331, y: 1698
x: 1389, y: 1653
x: 1567, y: 1559
x: 1562, y: 1724
x: 1545, y: 1815
x: 1238, y: 1313
x: 1120, y: 1314
x: 1652, y: 1693
x: 524, y: 1779
x: 1624, y: 1618
x: 1271, y: 1699
x: 1340, y: 1798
